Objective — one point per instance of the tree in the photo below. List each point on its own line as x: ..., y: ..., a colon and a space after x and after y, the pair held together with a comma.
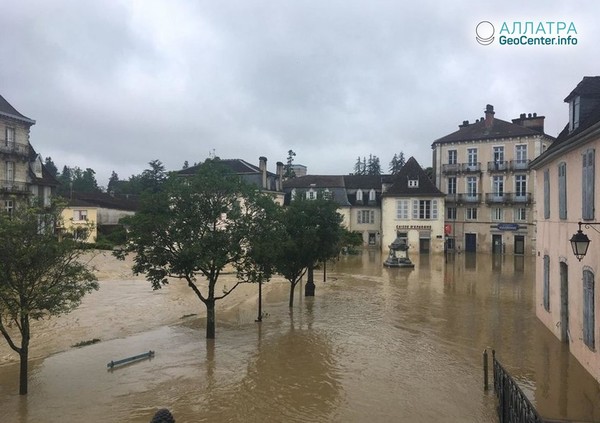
x: 373, y: 166
x: 398, y: 161
x: 191, y: 228
x: 312, y: 233
x: 40, y: 276
x: 51, y: 167
x: 289, y: 172
x: 153, y: 177
x: 113, y: 183
x: 359, y: 168
x: 185, y: 165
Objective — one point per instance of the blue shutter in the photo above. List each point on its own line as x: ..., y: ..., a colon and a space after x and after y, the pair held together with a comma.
x: 589, y: 327
x: 547, y: 282
x: 562, y: 190
x: 588, y: 174
x: 547, y: 194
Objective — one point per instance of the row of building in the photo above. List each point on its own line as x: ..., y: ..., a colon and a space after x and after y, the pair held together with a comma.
x: 502, y: 187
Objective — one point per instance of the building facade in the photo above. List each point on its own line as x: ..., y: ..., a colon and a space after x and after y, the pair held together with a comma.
x: 483, y: 168
x: 413, y: 209
x: 567, y: 300
x: 22, y: 172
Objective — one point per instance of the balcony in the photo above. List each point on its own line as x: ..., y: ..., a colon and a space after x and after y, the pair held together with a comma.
x: 508, y: 198
x: 519, y: 164
x: 469, y: 198
x: 497, y: 166
x: 13, y: 187
x: 14, y: 148
x: 470, y: 167
x: 450, y: 168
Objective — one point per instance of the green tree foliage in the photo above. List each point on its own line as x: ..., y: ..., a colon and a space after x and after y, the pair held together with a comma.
x: 50, y: 166
x: 289, y: 172
x: 40, y: 276
x: 373, y: 165
x: 398, y: 161
x: 360, y: 167
x: 192, y: 228
x: 312, y: 233
x: 113, y: 183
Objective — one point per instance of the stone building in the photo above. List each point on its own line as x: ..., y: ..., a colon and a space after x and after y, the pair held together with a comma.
x: 483, y: 168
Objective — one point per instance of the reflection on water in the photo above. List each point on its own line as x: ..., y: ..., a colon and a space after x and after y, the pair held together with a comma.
x: 376, y: 344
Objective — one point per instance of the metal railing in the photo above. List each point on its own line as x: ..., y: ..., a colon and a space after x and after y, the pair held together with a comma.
x: 508, y: 197
x: 497, y: 166
x: 13, y: 186
x: 470, y: 167
x: 519, y: 164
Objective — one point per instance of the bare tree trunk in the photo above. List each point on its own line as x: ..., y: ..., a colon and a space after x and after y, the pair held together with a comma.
x: 292, y: 287
x: 259, y: 318
x: 24, y: 355
x: 210, y: 319
x: 309, y: 288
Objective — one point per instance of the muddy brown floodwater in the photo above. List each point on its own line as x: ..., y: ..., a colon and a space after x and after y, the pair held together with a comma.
x: 374, y: 345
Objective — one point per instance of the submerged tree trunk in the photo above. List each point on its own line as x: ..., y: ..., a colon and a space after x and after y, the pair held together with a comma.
x: 259, y: 318
x: 292, y: 287
x: 24, y: 355
x: 210, y: 319
x: 309, y: 288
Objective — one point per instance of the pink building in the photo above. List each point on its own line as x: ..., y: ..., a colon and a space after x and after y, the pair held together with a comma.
x: 566, y: 297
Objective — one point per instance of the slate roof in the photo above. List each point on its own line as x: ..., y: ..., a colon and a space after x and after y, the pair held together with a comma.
x: 410, y: 171
x: 100, y: 199
x: 588, y: 87
x: 237, y: 166
x: 6, y: 109
x: 478, y: 131
x: 315, y: 181
x: 363, y: 181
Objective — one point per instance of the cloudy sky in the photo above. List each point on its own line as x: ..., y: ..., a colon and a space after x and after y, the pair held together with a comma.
x: 115, y: 84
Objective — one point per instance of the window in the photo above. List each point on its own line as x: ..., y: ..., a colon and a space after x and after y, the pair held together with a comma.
x: 10, y: 171
x: 372, y: 195
x: 587, y: 183
x: 471, y: 213
x: 521, y: 154
x: 547, y: 283
x: 425, y: 209
x: 366, y: 216
x: 471, y: 186
x: 413, y: 183
x: 359, y: 195
x: 452, y: 185
x: 574, y: 112
x: 80, y: 215
x: 451, y: 213
x: 311, y: 194
x: 520, y: 214
x: 327, y: 194
x: 499, y: 154
x: 9, y: 207
x: 521, y: 186
x: 589, y: 326
x: 402, y: 209
x: 293, y: 193
x: 547, y: 193
x: 10, y: 136
x: 498, y: 186
x: 562, y: 190
x: 472, y: 156
x: 497, y: 213
x: 452, y: 157
x: 47, y: 194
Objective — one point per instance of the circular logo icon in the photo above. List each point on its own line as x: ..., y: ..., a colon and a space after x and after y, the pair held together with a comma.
x: 485, y: 33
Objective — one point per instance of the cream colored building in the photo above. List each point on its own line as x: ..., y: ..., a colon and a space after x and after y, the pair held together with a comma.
x: 22, y: 173
x: 483, y: 168
x: 567, y: 301
x: 80, y: 220
x: 413, y: 209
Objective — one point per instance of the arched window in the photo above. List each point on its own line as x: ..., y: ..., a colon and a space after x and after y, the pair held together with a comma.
x: 359, y: 195
x: 372, y: 195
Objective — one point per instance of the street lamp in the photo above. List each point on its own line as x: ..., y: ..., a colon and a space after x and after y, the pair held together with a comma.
x: 580, y: 241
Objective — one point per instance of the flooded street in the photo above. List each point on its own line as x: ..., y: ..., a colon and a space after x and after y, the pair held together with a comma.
x: 375, y: 344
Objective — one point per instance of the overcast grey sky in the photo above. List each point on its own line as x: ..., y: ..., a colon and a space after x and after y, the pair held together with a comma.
x: 115, y: 84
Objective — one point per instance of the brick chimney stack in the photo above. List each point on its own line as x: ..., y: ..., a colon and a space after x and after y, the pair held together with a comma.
x: 489, y: 116
x: 531, y: 121
x: 262, y: 165
x: 279, y: 186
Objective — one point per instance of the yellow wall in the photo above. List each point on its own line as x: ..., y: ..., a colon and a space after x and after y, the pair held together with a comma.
x: 71, y: 221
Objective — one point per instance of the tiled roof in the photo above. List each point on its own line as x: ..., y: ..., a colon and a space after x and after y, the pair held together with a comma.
x: 413, y: 171
x: 6, y: 109
x: 588, y: 87
x: 479, y: 131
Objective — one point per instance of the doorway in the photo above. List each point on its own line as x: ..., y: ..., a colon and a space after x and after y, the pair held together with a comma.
x: 496, y: 244
x: 471, y: 243
x: 519, y: 244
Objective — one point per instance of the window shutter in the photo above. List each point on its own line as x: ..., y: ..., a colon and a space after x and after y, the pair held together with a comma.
x: 372, y: 216
x: 415, y: 209
x: 547, y: 283
x: 588, y: 309
x: 547, y: 194
x: 434, y: 209
x: 562, y: 191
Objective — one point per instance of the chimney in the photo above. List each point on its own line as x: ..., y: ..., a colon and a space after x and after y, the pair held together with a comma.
x: 279, y: 184
x: 262, y: 165
x: 531, y: 121
x: 489, y: 116
x: 464, y: 124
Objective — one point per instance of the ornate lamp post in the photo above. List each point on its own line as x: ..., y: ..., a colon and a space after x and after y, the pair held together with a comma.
x: 580, y: 241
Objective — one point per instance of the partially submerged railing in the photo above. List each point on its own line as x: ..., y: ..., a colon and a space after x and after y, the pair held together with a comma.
x: 112, y: 364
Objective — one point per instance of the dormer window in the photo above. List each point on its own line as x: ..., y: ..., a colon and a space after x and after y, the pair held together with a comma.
x: 359, y: 195
x: 413, y: 183
x: 311, y: 194
x: 293, y: 194
x: 574, y: 113
x: 372, y: 195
